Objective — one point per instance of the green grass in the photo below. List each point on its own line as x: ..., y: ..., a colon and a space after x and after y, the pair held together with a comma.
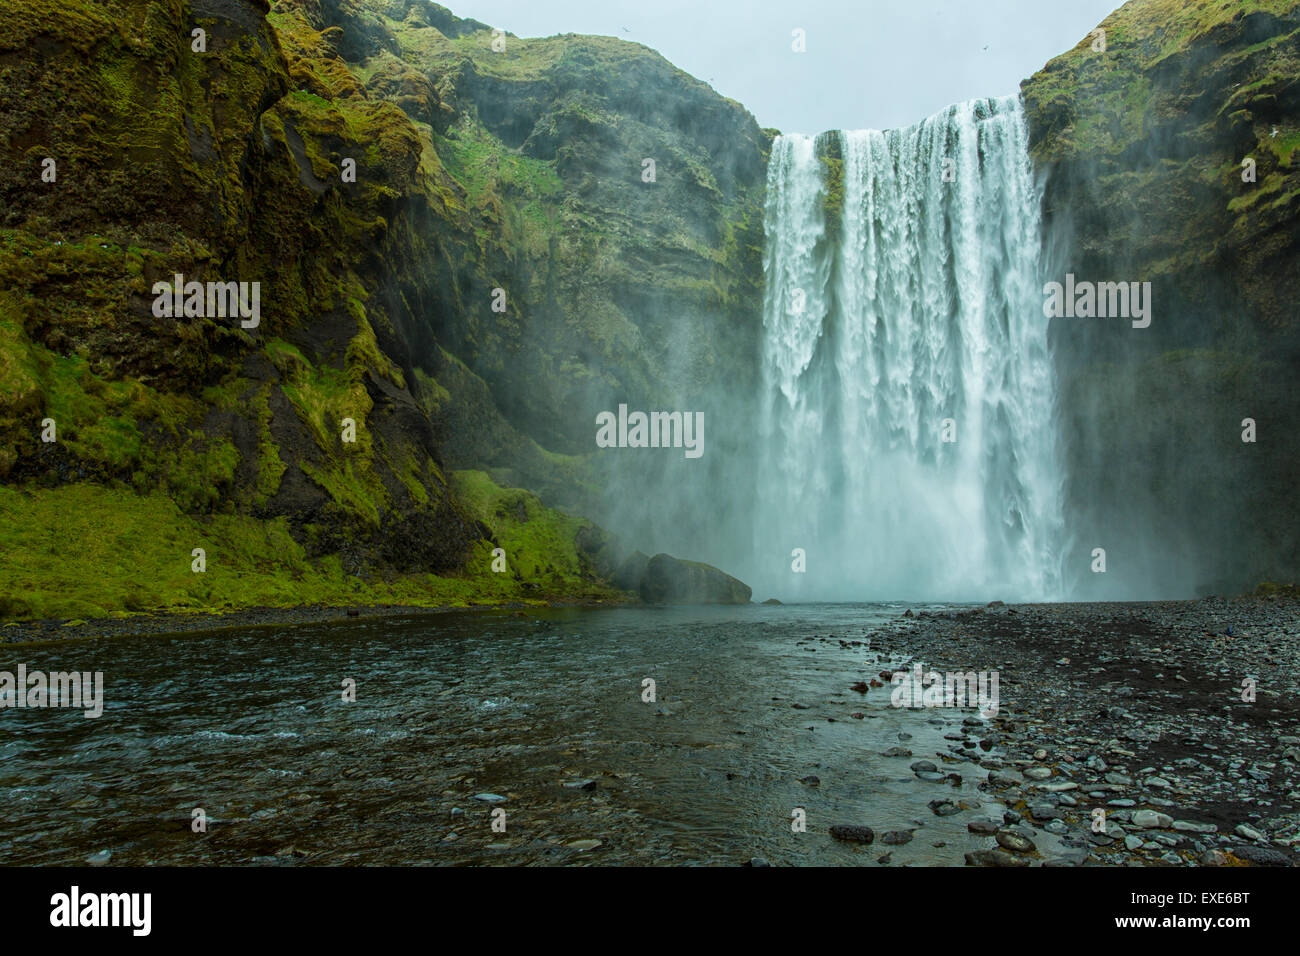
x: 88, y: 551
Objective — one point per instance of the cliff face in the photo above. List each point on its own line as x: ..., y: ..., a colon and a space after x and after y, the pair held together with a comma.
x: 135, y: 149
x: 614, y: 200
x: 1143, y: 147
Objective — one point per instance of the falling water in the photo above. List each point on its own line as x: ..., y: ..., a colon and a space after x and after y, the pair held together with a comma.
x: 907, y: 313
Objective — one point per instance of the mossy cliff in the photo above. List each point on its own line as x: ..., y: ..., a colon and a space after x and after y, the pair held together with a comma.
x: 1145, y: 146
x: 132, y: 150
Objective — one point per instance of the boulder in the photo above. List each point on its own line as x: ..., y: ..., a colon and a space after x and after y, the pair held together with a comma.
x: 669, y: 580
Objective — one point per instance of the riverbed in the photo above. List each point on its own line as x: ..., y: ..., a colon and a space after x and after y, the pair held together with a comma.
x: 500, y: 739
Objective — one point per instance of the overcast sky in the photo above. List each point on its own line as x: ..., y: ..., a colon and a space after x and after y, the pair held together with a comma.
x: 869, y: 63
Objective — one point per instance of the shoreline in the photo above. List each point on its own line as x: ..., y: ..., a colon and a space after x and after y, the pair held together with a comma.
x: 177, y: 621
x: 1135, y: 709
x: 165, y: 622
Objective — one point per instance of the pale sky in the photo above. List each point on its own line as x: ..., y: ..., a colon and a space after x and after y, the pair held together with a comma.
x: 869, y: 63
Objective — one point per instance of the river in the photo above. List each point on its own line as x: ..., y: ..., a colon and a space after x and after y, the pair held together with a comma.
x: 251, y: 726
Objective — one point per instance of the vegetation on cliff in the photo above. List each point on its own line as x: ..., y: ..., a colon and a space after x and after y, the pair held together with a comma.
x: 137, y: 148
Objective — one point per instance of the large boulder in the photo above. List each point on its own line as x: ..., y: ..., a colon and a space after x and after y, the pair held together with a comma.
x: 669, y: 580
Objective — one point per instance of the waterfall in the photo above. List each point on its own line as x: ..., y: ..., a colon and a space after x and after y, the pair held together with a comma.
x: 903, y: 307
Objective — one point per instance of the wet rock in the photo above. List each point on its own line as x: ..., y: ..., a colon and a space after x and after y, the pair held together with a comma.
x: 1212, y: 858
x: 983, y: 827
x: 1189, y: 826
x: 1009, y: 840
x: 580, y: 785
x: 852, y: 833
x: 490, y: 797
x: 896, y: 837
x: 1038, y: 773
x: 669, y: 580
x: 1150, y: 819
x: 994, y: 858
x: 923, y: 766
x: 943, y: 808
x: 1248, y: 832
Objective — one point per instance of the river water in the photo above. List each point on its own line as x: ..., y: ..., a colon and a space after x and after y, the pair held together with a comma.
x: 250, y: 725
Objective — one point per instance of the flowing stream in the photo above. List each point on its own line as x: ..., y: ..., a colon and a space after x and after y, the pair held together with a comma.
x: 250, y: 726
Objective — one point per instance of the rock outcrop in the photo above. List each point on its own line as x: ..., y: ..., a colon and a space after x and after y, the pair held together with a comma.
x: 379, y: 171
x: 1173, y: 156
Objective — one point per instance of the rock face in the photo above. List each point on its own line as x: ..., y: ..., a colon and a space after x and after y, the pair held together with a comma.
x: 1145, y: 146
x: 475, y: 171
x: 669, y: 580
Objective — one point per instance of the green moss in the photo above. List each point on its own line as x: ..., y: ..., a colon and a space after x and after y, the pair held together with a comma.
x: 91, y: 551
x: 539, y: 542
x: 270, y: 467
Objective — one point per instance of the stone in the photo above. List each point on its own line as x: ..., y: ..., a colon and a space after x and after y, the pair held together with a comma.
x: 1150, y: 819
x: 1249, y: 832
x: 994, y: 858
x: 1261, y: 855
x: 669, y: 580
x: 1014, y: 841
x: 852, y: 833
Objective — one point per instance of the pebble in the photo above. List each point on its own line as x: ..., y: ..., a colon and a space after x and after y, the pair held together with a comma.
x: 1249, y: 832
